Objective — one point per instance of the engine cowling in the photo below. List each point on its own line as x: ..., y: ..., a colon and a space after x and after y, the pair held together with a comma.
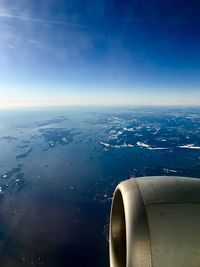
x: 155, y: 222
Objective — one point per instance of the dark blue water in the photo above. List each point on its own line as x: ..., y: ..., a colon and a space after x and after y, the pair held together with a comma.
x: 58, y: 170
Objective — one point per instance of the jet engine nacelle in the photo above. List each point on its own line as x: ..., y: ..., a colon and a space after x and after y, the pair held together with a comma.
x: 155, y: 222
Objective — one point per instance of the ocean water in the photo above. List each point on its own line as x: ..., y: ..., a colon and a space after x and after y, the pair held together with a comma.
x: 59, y: 168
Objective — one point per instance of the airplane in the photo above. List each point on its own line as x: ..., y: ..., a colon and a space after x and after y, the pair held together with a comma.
x: 155, y: 222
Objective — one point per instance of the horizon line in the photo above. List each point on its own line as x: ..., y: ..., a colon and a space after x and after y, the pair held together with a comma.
x: 55, y: 106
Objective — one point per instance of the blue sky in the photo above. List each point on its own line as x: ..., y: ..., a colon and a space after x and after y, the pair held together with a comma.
x: 99, y: 52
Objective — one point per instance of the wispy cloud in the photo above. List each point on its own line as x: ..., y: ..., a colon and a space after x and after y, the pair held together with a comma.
x: 34, y: 42
x: 32, y: 19
x: 11, y: 46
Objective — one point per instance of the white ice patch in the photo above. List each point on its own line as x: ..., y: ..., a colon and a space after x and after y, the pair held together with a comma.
x: 190, y: 146
x: 158, y: 148
x: 192, y: 116
x: 156, y: 130
x: 143, y: 145
x: 115, y: 136
x: 115, y: 120
x: 138, y: 135
x: 123, y: 145
x: 105, y: 144
x: 113, y: 132
x: 51, y: 143
x: 128, y: 129
x: 129, y: 145
x: 169, y: 170
x: 116, y: 146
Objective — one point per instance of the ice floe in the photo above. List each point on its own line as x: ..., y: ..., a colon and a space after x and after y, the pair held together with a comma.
x: 143, y: 145
x: 169, y: 170
x: 128, y: 129
x: 123, y: 145
x: 106, y: 145
x: 138, y: 135
x: 115, y: 136
x: 190, y: 146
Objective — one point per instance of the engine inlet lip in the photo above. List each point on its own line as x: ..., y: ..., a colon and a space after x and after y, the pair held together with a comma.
x: 118, y: 239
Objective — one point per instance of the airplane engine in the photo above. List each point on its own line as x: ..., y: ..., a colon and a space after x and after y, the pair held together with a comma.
x: 155, y: 222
